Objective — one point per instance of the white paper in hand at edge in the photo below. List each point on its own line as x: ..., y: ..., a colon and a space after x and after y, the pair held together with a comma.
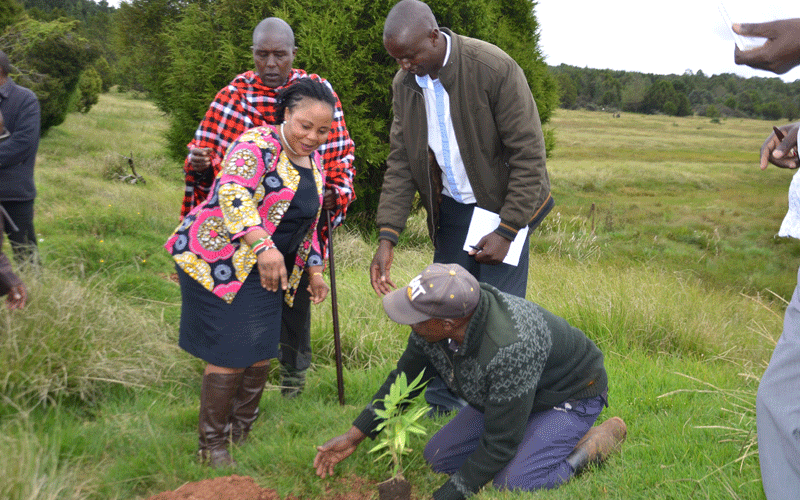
x: 484, y: 222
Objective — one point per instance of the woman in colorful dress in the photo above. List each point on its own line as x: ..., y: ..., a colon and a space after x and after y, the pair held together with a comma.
x: 242, y: 251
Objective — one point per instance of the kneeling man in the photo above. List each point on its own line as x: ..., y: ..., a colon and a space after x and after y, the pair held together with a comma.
x: 535, y: 387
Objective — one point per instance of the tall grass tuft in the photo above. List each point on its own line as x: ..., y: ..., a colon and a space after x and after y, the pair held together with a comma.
x: 33, y: 469
x: 369, y: 337
x: 74, y: 339
x: 573, y: 239
x: 658, y: 311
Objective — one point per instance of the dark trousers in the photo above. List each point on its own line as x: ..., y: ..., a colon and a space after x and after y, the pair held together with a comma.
x: 23, y: 240
x: 296, y: 329
x: 540, y: 462
x: 454, y: 219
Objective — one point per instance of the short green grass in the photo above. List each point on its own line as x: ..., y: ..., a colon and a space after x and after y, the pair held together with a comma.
x: 660, y: 248
x: 682, y: 193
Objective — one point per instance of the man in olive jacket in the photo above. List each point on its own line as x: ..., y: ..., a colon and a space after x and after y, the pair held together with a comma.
x: 535, y: 386
x: 466, y: 133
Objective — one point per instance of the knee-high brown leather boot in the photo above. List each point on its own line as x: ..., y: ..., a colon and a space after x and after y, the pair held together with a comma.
x: 216, y: 400
x: 245, y: 406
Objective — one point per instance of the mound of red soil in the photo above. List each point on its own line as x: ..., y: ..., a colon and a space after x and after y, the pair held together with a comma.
x: 245, y: 488
x: 220, y: 488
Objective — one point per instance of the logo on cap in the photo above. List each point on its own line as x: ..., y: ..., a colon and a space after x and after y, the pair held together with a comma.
x: 415, y: 288
x: 440, y: 291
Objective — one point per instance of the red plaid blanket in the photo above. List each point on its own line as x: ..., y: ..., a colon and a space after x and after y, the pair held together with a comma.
x: 246, y: 103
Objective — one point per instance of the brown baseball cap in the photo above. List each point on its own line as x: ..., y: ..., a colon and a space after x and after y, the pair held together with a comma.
x: 440, y: 291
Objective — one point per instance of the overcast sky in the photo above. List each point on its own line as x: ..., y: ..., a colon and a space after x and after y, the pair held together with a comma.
x: 662, y: 37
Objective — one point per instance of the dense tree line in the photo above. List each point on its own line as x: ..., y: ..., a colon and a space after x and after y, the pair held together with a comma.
x: 678, y: 95
x: 54, y: 55
x: 182, y: 51
x: 95, y: 24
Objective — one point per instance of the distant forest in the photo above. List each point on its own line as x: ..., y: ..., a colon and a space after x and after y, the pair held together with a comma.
x: 677, y: 95
x: 179, y: 53
x: 71, y: 50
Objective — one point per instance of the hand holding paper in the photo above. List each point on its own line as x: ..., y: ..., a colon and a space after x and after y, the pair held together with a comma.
x: 493, y: 247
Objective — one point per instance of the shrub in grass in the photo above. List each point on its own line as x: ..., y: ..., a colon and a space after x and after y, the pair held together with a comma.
x: 401, y: 414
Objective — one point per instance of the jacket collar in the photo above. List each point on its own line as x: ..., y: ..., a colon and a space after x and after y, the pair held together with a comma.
x: 473, y: 336
x: 447, y: 75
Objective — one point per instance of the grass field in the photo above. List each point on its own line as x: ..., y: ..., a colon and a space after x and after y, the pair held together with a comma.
x: 661, y: 248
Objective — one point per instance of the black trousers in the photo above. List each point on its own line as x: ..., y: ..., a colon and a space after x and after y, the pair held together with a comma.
x: 296, y: 329
x: 23, y: 240
x: 454, y: 219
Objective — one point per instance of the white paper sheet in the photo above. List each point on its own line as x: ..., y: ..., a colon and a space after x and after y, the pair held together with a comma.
x: 484, y: 222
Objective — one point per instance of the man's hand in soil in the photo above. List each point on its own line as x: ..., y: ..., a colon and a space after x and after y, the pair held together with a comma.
x: 336, y: 450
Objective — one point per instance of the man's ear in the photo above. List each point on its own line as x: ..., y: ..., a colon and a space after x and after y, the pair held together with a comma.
x: 448, y: 324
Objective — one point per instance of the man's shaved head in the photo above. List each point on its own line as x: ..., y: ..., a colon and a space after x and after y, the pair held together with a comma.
x: 274, y: 26
x: 407, y: 18
x: 273, y: 51
x: 412, y: 37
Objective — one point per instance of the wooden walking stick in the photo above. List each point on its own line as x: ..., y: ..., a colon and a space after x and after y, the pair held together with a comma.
x: 337, y: 343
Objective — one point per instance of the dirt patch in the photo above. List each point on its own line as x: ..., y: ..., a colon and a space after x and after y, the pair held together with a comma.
x: 220, y: 488
x: 245, y: 488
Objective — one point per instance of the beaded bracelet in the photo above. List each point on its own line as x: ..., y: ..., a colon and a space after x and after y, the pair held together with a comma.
x: 258, y: 242
x: 261, y: 245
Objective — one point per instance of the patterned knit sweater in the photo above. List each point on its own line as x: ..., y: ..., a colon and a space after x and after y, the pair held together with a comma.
x: 516, y: 359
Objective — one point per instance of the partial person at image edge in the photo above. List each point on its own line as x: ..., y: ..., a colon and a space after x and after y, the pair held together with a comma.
x: 22, y: 119
x: 778, y: 397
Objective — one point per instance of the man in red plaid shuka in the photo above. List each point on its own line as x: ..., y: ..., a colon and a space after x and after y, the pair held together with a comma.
x: 249, y: 101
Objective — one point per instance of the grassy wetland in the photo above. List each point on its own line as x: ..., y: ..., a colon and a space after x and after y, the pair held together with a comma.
x: 661, y: 248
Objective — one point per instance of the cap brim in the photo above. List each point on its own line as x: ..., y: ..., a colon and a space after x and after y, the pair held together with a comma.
x: 399, y: 309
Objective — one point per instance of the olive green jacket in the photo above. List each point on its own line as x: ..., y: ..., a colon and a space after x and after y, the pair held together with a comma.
x: 499, y: 135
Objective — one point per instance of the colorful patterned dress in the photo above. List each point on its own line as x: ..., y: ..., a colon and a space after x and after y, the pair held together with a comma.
x: 227, y: 318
